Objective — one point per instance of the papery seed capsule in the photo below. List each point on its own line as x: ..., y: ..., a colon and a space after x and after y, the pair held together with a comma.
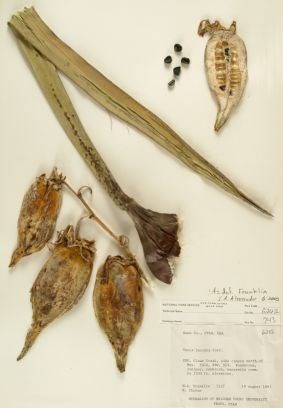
x: 60, y: 283
x: 226, y: 67
x: 118, y: 304
x: 38, y: 215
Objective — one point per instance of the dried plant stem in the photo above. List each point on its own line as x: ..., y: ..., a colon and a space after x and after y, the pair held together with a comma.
x: 92, y: 215
x: 122, y: 240
x: 30, y: 28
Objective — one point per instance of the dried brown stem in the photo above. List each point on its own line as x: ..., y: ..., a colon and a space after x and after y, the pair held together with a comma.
x: 122, y: 240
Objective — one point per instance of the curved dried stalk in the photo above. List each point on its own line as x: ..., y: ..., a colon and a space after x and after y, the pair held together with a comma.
x: 122, y: 240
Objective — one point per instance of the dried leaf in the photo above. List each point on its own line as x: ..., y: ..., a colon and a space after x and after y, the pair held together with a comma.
x: 29, y: 27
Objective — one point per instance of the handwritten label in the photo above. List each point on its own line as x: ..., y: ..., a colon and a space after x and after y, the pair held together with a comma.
x: 229, y: 294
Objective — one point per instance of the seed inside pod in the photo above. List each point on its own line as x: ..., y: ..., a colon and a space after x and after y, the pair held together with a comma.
x: 177, y: 71
x: 185, y: 60
x: 226, y: 67
x: 178, y: 48
x: 168, y: 59
x: 171, y: 83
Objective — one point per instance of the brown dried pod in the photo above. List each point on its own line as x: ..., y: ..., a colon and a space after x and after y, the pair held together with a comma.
x: 60, y: 283
x: 118, y: 304
x: 226, y: 67
x: 38, y: 215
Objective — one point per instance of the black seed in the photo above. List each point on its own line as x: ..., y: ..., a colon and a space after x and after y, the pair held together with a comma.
x: 171, y: 83
x: 226, y: 50
x: 177, y: 71
x: 168, y: 59
x: 178, y: 47
x: 185, y: 60
x: 222, y: 87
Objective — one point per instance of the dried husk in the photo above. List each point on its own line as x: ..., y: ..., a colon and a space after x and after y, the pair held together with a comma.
x: 118, y: 304
x: 38, y: 215
x: 61, y: 282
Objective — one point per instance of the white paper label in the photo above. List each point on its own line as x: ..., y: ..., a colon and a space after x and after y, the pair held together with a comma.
x: 224, y: 366
x: 214, y: 312
x: 225, y: 354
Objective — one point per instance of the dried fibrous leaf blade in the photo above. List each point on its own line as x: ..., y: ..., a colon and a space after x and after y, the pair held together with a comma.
x: 31, y: 29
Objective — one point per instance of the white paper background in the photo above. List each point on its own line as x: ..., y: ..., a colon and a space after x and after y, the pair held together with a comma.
x: 223, y: 241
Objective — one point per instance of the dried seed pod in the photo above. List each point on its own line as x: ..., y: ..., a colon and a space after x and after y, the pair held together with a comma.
x: 38, y: 215
x: 118, y: 304
x: 226, y: 67
x: 60, y: 283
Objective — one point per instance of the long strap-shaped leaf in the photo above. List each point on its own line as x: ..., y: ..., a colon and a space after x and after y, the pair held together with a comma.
x: 29, y: 26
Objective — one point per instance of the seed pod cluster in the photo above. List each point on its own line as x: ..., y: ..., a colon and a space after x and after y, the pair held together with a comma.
x: 38, y: 215
x: 118, y: 304
x: 61, y: 282
x: 64, y: 277
x: 226, y: 67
